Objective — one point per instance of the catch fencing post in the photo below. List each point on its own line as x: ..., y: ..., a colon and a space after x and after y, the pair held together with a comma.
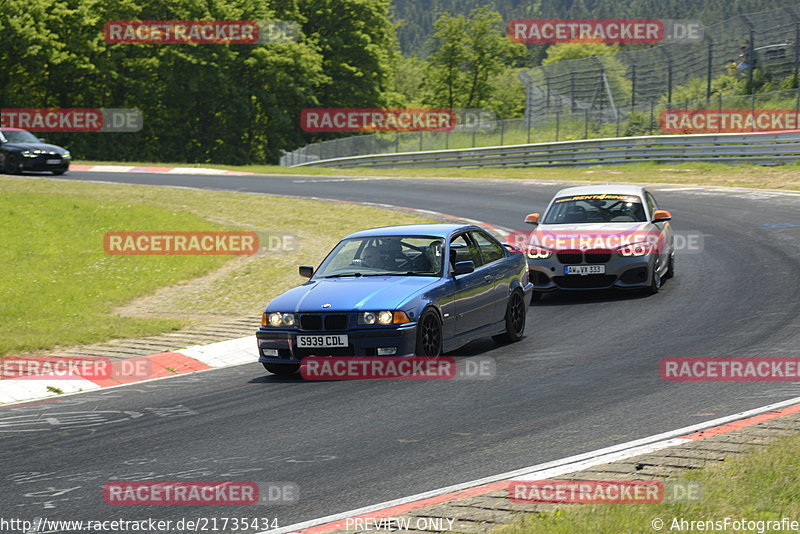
x: 586, y: 125
x: 709, y: 70
x: 558, y: 116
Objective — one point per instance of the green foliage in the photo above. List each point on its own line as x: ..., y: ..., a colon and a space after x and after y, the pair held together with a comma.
x: 469, y: 53
x: 408, y: 76
x: 201, y: 103
x: 508, y: 94
x: 565, y: 51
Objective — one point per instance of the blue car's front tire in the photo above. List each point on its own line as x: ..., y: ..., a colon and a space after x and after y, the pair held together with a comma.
x: 515, y: 319
x: 429, y: 334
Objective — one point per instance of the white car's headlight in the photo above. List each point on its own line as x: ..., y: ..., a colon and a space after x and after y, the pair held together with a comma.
x: 635, y: 250
x: 538, y: 253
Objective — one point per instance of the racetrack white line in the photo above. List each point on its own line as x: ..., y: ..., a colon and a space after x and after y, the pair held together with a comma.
x: 553, y: 468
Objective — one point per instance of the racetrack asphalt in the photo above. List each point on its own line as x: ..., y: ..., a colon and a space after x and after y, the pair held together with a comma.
x: 584, y: 377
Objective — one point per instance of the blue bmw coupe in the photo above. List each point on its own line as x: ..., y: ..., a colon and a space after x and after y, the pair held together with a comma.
x: 399, y: 291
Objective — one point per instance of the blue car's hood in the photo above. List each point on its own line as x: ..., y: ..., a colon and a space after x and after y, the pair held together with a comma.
x: 346, y: 294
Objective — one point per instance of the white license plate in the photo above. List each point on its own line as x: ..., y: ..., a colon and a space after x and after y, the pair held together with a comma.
x: 53, y: 161
x: 583, y: 270
x: 334, y: 340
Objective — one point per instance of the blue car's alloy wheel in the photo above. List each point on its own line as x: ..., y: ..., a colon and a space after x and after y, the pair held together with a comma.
x: 429, y: 335
x: 515, y: 319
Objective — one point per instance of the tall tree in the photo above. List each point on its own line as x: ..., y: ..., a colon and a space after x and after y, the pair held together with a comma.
x: 468, y: 53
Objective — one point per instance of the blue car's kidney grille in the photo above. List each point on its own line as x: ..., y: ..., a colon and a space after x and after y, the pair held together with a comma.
x: 316, y: 322
x: 335, y: 322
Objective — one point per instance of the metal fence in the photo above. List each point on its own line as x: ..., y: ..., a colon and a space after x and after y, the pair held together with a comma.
x: 756, y: 48
x: 764, y: 148
x: 621, y: 94
x: 549, y: 126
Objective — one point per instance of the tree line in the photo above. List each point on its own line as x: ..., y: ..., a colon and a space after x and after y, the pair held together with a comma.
x: 240, y: 104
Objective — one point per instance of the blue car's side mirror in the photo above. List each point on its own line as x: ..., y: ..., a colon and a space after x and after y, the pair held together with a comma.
x: 463, y: 267
x: 306, y: 271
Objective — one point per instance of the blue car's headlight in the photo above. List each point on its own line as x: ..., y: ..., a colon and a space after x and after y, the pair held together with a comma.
x: 383, y: 317
x: 28, y: 154
x: 279, y: 319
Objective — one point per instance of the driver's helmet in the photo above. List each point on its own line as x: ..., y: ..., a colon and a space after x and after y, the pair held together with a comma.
x: 371, y: 257
x: 435, y: 253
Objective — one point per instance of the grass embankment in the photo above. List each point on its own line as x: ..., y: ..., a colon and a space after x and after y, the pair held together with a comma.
x: 785, y: 177
x: 59, y: 287
x: 760, y: 485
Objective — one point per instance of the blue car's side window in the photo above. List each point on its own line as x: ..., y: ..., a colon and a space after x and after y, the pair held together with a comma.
x: 490, y: 250
x: 463, y: 249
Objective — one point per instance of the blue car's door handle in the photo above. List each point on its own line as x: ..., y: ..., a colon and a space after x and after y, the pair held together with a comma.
x: 488, y: 278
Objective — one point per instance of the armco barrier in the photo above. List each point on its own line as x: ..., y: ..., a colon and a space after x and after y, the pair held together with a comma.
x: 761, y: 148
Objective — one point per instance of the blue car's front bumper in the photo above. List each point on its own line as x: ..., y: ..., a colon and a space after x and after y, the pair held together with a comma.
x: 362, y: 342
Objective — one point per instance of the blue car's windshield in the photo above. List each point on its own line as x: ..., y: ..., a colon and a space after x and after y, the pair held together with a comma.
x: 384, y: 256
x: 600, y: 208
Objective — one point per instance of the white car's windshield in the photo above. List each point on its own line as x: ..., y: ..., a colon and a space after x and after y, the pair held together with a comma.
x: 601, y: 208
x: 384, y: 255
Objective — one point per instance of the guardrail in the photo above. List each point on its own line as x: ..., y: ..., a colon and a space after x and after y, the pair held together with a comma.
x: 762, y: 148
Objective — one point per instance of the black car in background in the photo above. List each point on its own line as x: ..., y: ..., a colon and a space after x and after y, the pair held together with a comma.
x: 21, y: 151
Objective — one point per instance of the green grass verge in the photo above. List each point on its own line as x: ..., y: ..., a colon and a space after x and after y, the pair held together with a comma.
x: 760, y: 485
x: 785, y: 177
x: 59, y: 287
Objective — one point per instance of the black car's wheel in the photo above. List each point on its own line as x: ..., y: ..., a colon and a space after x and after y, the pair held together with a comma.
x: 58, y: 173
x: 12, y: 164
x: 429, y: 335
x: 515, y: 319
x: 282, y: 369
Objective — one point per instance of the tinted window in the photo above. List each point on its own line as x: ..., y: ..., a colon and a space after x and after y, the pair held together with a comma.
x: 651, y: 203
x: 384, y: 256
x: 489, y: 248
x: 600, y: 208
x: 462, y: 249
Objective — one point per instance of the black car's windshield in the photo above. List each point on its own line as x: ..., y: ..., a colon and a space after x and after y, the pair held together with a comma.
x: 600, y: 208
x: 20, y: 137
x: 384, y: 256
